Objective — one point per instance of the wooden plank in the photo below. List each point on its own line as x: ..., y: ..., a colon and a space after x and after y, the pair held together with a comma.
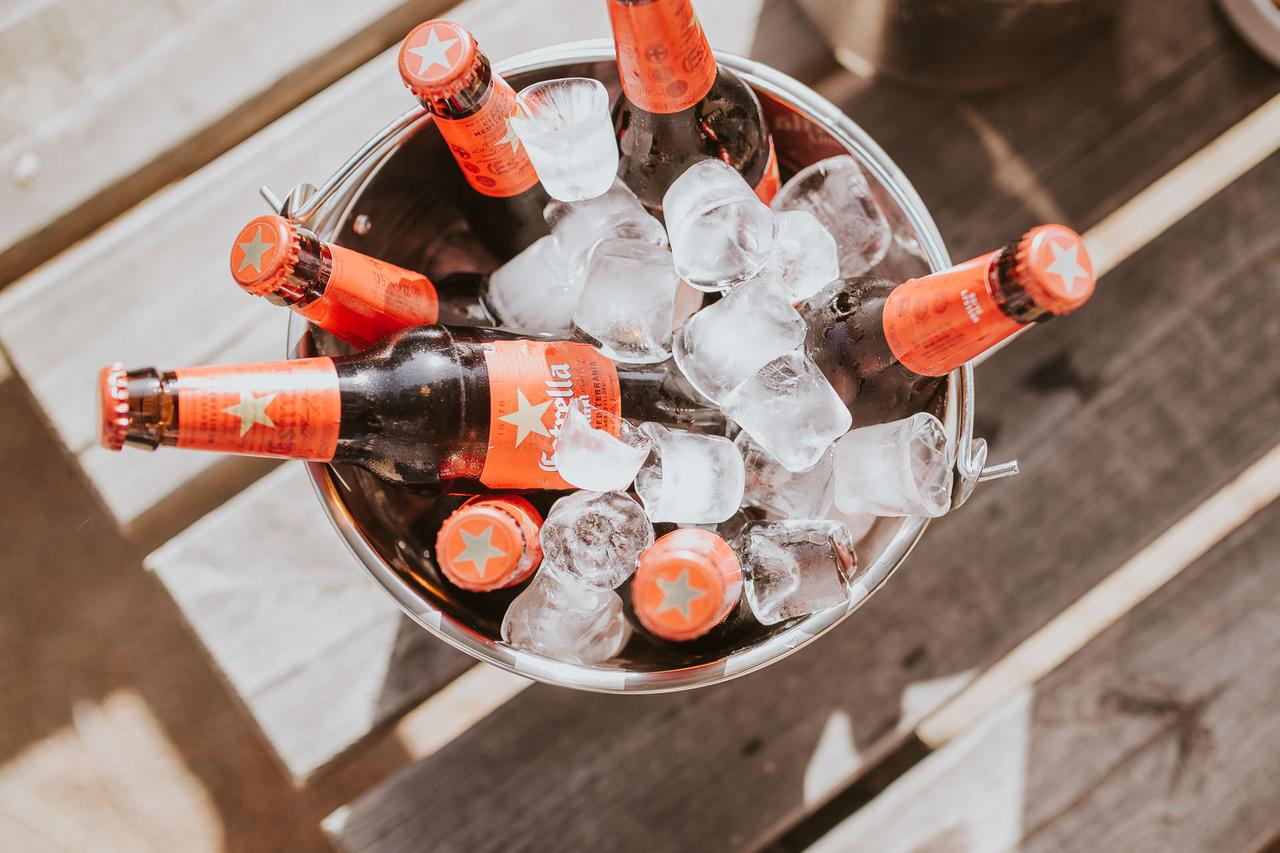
x: 162, y: 267
x: 979, y: 589
x: 100, y: 109
x: 979, y: 789
x: 318, y: 653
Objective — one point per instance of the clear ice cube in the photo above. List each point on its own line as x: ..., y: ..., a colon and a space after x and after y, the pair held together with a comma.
x: 627, y: 304
x: 595, y: 538
x: 725, y: 343
x: 578, y: 226
x: 783, y: 493
x: 689, y: 477
x: 837, y: 193
x: 533, y: 290
x: 896, y: 468
x: 805, y: 258
x: 790, y: 409
x: 795, y: 568
x: 598, y: 451
x: 560, y: 619
x: 567, y: 131
x: 721, y: 233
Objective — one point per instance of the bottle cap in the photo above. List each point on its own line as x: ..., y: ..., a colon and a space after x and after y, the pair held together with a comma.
x: 264, y: 254
x: 1053, y: 267
x: 686, y: 584
x: 113, y: 405
x: 490, y: 543
x: 438, y: 59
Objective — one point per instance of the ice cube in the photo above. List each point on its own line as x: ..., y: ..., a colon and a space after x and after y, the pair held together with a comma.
x: 577, y: 226
x: 568, y: 133
x: 725, y: 343
x: 859, y: 524
x: 566, y: 621
x: 721, y: 233
x: 595, y: 538
x: 896, y: 468
x: 795, y: 568
x: 790, y: 409
x: 836, y: 192
x: 627, y: 304
x: 533, y: 290
x: 598, y: 451
x: 689, y: 477
x: 805, y: 258
x: 783, y: 493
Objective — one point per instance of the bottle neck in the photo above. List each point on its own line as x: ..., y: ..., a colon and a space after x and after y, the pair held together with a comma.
x: 288, y: 409
x: 354, y: 297
x: 936, y: 323
x: 664, y: 58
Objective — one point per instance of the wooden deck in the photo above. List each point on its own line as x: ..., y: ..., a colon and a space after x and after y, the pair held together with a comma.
x: 1081, y: 658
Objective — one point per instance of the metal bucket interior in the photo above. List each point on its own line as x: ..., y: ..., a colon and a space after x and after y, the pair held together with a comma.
x: 397, y: 196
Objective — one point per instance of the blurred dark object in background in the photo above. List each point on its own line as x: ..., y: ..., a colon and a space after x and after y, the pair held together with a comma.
x: 957, y: 45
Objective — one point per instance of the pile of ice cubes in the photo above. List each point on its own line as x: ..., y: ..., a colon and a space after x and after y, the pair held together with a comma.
x: 793, y: 486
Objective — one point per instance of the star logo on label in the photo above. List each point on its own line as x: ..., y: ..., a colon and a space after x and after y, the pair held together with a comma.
x: 434, y: 51
x: 527, y: 418
x: 253, y: 251
x: 478, y: 550
x: 1066, y: 266
x: 678, y: 595
x: 511, y: 138
x: 252, y: 410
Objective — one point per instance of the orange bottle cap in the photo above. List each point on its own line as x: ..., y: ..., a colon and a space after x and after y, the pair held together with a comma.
x: 1053, y: 267
x: 113, y: 405
x: 686, y: 584
x: 437, y: 59
x: 490, y: 543
x: 264, y: 254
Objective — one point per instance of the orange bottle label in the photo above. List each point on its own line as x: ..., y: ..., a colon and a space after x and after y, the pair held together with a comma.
x: 487, y: 148
x: 367, y: 299
x: 663, y: 55
x: 771, y: 181
x: 937, y: 323
x: 281, y: 408
x: 531, y: 384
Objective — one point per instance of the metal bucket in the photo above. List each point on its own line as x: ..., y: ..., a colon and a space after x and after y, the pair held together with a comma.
x: 397, y: 194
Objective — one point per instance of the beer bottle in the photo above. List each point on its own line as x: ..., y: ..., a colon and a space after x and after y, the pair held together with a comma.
x: 354, y: 297
x: 679, y: 106
x: 687, y: 583
x: 490, y: 543
x: 472, y: 106
x: 885, y: 346
x: 433, y: 408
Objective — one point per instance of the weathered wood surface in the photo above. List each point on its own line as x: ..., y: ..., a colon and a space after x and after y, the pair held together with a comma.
x: 152, y: 287
x: 1117, y: 393
x: 1160, y: 735
x: 315, y: 649
x: 101, y: 108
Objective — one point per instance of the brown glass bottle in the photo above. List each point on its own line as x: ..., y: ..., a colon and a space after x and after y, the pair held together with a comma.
x: 886, y: 346
x: 472, y: 105
x: 432, y: 408
x: 679, y: 106
x: 354, y: 297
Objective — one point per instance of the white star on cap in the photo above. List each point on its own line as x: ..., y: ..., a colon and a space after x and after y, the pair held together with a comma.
x: 478, y: 550
x: 1066, y: 265
x: 678, y: 595
x: 251, y: 410
x: 527, y: 418
x: 432, y: 53
x: 253, y: 251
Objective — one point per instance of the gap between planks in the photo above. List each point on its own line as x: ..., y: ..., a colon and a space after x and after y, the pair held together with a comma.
x: 1177, y: 193
x: 483, y: 689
